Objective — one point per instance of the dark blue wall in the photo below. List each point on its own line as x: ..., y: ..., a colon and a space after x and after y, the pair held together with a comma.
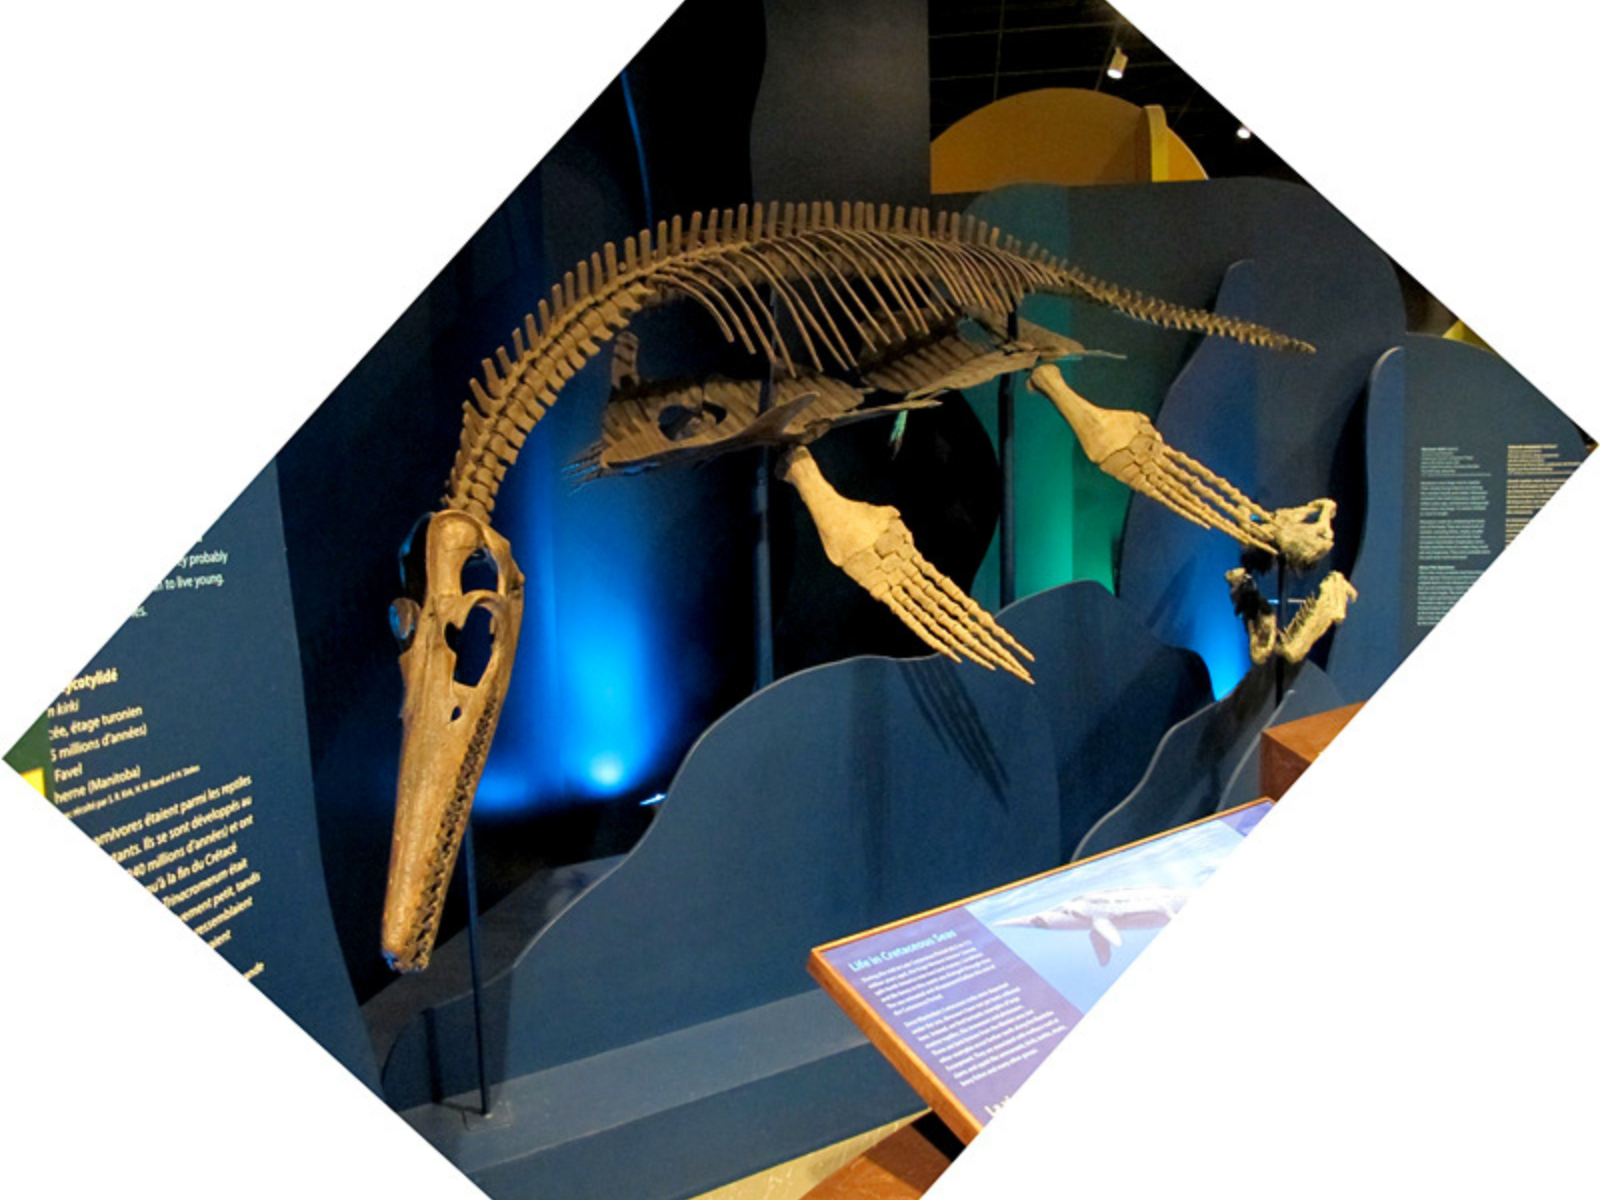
x: 1429, y: 392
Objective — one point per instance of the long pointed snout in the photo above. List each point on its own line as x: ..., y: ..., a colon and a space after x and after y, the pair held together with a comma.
x: 448, y: 719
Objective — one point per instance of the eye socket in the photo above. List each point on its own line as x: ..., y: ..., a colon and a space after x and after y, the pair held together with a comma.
x: 403, y: 615
x: 479, y: 573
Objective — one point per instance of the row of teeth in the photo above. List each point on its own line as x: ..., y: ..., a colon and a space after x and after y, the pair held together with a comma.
x: 455, y: 819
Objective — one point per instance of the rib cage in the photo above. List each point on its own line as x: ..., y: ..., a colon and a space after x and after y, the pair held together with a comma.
x: 853, y: 282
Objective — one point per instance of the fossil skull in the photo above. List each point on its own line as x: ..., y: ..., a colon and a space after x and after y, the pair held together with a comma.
x: 1318, y: 613
x: 1304, y: 534
x: 457, y: 642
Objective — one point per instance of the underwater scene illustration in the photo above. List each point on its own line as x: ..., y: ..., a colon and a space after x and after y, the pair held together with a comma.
x: 1080, y: 928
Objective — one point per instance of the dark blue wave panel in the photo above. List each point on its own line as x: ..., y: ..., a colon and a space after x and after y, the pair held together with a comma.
x: 1109, y: 691
x: 1211, y: 761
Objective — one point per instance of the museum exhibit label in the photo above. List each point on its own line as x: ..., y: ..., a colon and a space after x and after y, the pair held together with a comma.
x: 968, y: 999
x: 1462, y: 452
x: 180, y: 749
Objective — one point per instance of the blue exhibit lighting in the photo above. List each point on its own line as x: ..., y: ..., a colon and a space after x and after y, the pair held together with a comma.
x: 1226, y: 653
x: 610, y: 697
x: 649, y: 800
x: 606, y: 770
x: 593, y: 668
x: 591, y: 714
x: 502, y: 790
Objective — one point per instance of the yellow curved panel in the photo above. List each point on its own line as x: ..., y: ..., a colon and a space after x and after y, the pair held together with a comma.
x: 1169, y: 158
x: 1459, y: 332
x: 1059, y: 135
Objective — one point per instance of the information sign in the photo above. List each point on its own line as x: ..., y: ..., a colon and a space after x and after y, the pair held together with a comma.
x: 967, y: 1000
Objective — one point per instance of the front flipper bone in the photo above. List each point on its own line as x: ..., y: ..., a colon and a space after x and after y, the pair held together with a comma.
x: 1128, y: 447
x: 872, y: 545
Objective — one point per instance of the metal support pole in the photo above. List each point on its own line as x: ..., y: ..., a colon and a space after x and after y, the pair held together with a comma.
x: 473, y: 955
x: 1282, y: 618
x: 760, y: 502
x: 1005, y: 420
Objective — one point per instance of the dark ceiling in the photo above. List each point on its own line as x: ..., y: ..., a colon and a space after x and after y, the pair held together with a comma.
x: 982, y: 50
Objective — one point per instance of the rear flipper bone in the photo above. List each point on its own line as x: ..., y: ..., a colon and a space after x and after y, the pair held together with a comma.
x: 872, y: 545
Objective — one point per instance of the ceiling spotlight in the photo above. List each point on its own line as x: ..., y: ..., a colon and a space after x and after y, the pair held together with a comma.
x: 1242, y: 134
x: 1119, y: 63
